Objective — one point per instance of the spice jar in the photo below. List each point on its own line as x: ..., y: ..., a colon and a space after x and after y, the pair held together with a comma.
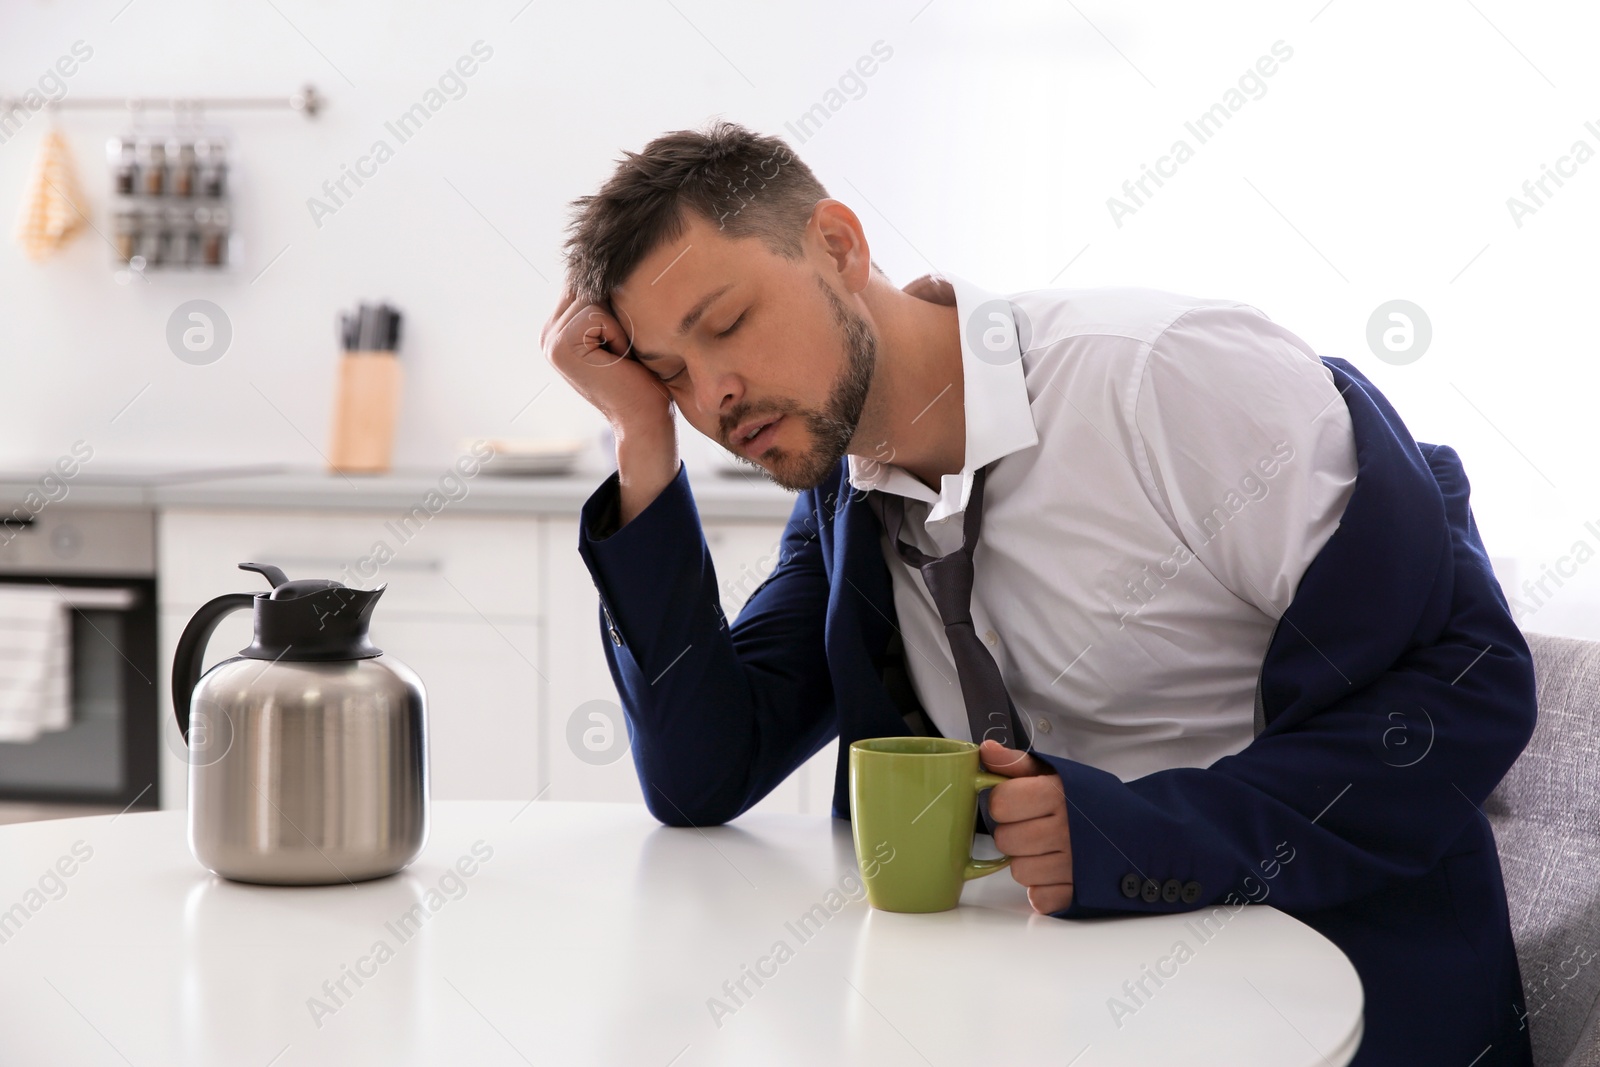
x: 175, y: 221
x: 213, y: 234
x: 127, y: 235
x: 119, y: 153
x: 193, y: 226
x: 154, y: 238
x: 212, y: 168
x: 180, y: 165
x: 152, y: 158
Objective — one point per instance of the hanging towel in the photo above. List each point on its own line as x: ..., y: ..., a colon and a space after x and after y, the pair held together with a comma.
x: 35, y: 637
x: 50, y: 213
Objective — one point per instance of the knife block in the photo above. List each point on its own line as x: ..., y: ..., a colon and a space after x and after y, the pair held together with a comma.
x: 364, y: 412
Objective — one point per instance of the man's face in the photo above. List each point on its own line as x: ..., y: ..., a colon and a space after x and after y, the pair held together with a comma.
x: 774, y: 341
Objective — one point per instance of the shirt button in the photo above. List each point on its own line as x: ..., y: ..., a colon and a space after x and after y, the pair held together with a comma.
x: 1044, y: 725
x: 990, y: 636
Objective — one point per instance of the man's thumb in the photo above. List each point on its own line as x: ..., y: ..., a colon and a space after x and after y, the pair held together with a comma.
x: 1008, y: 761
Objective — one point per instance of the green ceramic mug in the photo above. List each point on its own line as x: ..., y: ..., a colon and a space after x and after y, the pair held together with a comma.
x: 913, y: 808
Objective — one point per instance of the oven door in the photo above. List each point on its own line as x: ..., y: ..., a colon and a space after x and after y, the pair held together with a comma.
x: 104, y: 752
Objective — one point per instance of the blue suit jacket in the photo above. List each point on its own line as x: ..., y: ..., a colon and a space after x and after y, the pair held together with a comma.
x: 1394, y: 695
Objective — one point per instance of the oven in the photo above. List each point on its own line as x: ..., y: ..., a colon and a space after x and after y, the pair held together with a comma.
x: 78, y: 681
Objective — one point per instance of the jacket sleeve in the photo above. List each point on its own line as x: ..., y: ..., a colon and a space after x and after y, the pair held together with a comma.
x: 1328, y: 805
x: 717, y: 715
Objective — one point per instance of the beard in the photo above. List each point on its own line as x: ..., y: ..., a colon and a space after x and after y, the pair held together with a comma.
x: 833, y: 427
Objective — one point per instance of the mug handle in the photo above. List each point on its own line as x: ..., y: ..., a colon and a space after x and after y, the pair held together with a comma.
x: 977, y: 868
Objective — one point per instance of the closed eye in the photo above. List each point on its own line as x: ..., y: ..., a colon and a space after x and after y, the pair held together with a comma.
x: 724, y: 333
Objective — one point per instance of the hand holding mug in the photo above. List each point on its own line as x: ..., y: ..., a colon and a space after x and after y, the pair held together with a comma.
x: 1030, y: 825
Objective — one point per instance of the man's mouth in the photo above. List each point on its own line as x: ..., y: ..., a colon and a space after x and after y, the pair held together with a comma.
x: 757, y: 438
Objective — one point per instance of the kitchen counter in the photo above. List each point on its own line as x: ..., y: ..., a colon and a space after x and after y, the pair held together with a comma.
x: 736, y: 495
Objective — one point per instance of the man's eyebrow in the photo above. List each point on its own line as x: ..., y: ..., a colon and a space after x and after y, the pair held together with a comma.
x: 692, y: 317
x: 700, y: 309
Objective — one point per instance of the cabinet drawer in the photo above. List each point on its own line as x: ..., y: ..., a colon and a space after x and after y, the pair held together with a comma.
x: 744, y: 553
x: 473, y: 565
x: 586, y: 737
x: 483, y: 689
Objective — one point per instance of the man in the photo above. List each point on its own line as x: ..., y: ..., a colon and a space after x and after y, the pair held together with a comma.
x: 1236, y: 625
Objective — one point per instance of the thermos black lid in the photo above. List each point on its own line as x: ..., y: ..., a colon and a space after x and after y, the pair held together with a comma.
x: 310, y: 619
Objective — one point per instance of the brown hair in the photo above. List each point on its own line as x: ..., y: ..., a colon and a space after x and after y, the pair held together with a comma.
x: 750, y: 185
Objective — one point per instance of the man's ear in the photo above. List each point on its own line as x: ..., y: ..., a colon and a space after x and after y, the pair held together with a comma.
x: 843, y: 241
x: 932, y: 288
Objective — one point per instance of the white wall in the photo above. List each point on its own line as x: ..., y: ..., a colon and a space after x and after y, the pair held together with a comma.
x: 1377, y: 165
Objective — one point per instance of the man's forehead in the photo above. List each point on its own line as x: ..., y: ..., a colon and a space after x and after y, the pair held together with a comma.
x: 695, y: 311
x: 668, y: 296
x: 674, y: 276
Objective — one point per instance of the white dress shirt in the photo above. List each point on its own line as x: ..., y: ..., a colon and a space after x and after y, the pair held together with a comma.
x: 1168, y: 468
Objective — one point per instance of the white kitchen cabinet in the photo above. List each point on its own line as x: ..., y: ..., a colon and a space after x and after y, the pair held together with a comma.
x: 483, y: 693
x: 484, y: 690
x: 743, y: 553
x: 462, y: 608
x: 497, y: 615
x: 594, y: 764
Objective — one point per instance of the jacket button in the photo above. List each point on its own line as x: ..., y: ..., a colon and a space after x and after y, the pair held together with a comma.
x: 1191, y: 892
x: 1151, y: 891
x: 1130, y: 885
x: 1171, y: 890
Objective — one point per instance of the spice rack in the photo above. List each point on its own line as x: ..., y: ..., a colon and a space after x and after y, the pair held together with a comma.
x: 171, y: 189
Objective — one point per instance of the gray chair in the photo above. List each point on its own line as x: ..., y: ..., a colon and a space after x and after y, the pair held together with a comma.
x: 1546, y: 819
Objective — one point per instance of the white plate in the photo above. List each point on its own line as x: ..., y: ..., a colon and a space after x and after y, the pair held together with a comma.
x: 509, y: 469
x: 532, y: 456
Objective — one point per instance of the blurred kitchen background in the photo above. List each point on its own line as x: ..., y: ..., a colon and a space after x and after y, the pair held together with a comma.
x: 189, y: 369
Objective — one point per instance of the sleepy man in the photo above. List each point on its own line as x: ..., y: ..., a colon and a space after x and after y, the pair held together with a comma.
x: 1227, y: 629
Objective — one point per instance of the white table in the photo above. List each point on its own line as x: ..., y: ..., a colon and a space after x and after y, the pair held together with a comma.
x: 593, y: 934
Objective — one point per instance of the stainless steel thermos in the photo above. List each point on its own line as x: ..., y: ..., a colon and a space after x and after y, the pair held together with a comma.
x: 308, y: 751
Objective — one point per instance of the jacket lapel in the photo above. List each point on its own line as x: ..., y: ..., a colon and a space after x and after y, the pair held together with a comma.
x: 861, y: 619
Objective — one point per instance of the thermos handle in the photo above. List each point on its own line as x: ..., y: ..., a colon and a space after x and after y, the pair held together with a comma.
x: 192, y: 650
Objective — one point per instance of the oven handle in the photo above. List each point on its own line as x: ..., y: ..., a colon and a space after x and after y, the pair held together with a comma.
x: 93, y: 597
x: 192, y: 649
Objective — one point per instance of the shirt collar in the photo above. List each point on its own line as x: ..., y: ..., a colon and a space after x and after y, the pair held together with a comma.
x: 999, y: 416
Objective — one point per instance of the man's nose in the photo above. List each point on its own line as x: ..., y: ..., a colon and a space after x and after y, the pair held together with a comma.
x: 718, y: 395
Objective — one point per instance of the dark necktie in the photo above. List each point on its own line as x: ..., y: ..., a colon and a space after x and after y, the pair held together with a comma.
x: 990, y: 711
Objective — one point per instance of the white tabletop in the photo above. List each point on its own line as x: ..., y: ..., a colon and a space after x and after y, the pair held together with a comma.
x: 592, y: 934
